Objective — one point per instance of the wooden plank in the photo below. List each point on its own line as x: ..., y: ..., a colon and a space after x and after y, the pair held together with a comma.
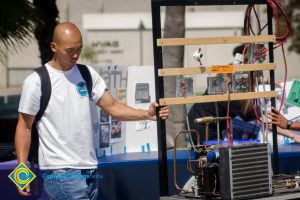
x: 215, y: 40
x: 209, y: 70
x: 215, y: 98
x: 10, y: 91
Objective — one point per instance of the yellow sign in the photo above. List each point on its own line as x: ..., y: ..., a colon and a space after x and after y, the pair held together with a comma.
x: 222, y: 69
x: 22, y: 176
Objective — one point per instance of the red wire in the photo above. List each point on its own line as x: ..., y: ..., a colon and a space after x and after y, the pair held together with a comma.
x: 285, y: 78
x: 244, y: 52
x: 255, y: 110
x: 274, y: 5
x: 227, y: 115
x: 288, y: 23
x: 276, y: 15
x: 287, y: 19
x: 281, y: 38
x: 249, y: 21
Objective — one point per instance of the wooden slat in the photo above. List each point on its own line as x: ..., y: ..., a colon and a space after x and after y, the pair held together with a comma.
x: 208, y: 70
x: 215, y: 98
x: 215, y: 40
x: 10, y: 91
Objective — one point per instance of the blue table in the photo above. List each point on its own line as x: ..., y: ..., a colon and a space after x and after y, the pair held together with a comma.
x: 289, y: 158
x: 135, y: 175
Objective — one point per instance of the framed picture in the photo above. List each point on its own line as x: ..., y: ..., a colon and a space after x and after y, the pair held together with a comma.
x: 104, y: 117
x: 104, y: 135
x: 142, y: 93
x: 116, y: 131
x: 121, y: 95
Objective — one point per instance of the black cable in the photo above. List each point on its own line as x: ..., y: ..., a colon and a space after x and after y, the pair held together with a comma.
x: 253, y: 130
x: 258, y: 21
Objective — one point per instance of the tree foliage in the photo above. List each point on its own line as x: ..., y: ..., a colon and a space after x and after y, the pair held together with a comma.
x: 44, y: 31
x: 18, y: 19
x: 293, y: 10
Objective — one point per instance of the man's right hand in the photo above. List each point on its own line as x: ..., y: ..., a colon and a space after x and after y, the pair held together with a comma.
x: 26, y: 192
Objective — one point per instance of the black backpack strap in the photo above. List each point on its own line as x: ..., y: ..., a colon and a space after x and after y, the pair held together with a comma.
x: 45, y: 91
x: 87, y: 77
x: 45, y: 98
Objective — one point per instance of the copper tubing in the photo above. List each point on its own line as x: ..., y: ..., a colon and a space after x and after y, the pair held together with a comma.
x: 174, y: 156
x: 210, y: 119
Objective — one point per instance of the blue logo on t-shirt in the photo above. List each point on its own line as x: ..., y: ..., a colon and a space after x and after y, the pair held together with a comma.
x: 82, y: 88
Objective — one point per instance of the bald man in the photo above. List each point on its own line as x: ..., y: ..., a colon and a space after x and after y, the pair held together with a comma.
x: 66, y: 145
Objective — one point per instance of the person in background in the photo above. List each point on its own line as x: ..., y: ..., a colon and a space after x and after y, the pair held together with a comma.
x: 284, y: 126
x: 242, y: 108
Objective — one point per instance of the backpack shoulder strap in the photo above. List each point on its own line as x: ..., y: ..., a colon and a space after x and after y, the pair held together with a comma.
x: 45, y: 91
x: 87, y: 77
x: 45, y: 97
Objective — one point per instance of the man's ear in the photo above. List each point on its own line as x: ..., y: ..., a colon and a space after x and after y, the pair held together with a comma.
x: 53, y: 46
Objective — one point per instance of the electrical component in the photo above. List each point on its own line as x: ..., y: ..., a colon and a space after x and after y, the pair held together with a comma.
x: 198, y: 56
x: 203, y: 166
x: 241, y: 82
x: 281, y: 37
x: 238, y: 59
x: 216, y: 85
x: 184, y: 86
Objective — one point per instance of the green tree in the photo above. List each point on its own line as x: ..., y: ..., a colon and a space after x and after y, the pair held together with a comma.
x: 18, y: 19
x: 43, y: 32
x: 293, y: 10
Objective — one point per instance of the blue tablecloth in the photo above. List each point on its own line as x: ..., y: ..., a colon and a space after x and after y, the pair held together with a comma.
x: 135, y: 175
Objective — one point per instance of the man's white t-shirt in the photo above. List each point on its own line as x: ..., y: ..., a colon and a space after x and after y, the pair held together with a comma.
x: 68, y: 126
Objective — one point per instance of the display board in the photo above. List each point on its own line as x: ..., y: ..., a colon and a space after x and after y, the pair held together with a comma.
x: 134, y: 86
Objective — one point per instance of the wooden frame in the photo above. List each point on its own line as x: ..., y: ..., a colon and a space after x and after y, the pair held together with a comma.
x: 215, y: 40
x: 215, y: 98
x: 209, y: 70
x: 156, y: 6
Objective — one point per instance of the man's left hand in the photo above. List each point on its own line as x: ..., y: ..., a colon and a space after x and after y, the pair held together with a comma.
x: 277, y: 118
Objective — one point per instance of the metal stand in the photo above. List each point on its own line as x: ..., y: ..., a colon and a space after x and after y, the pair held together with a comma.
x: 159, y: 85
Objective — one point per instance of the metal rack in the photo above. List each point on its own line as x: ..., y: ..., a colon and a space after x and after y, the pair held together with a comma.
x: 158, y: 43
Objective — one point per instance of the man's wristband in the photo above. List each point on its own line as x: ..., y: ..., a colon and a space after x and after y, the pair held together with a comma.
x: 289, y: 125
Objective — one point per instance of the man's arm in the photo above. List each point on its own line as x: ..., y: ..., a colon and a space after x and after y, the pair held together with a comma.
x: 286, y: 133
x: 123, y: 112
x: 289, y: 134
x: 22, y: 142
x: 279, y: 120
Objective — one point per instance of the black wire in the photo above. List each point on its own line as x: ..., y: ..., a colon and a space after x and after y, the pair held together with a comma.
x: 264, y: 27
x: 253, y: 130
x: 246, y: 20
x: 258, y: 21
x: 251, y: 29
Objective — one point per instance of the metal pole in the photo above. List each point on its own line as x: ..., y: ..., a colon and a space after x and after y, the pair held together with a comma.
x: 272, y: 82
x: 159, y: 91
